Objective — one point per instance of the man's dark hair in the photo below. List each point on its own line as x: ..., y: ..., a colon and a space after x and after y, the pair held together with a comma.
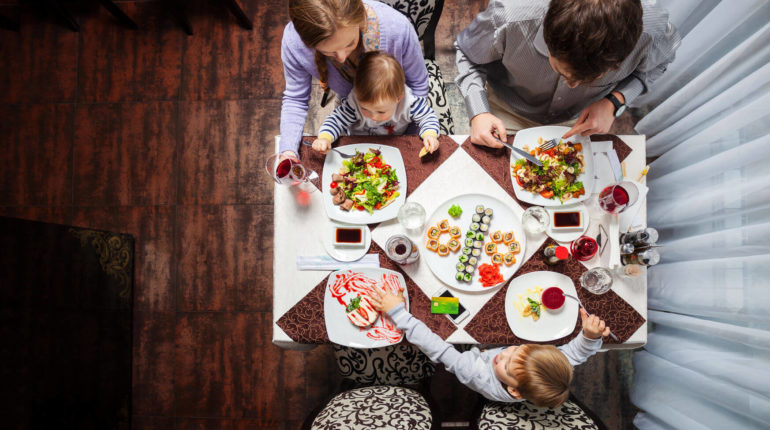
x: 592, y: 36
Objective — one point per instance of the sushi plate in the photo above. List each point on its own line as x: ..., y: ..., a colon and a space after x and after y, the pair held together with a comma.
x: 344, y: 285
x: 528, y: 137
x: 503, y: 219
x: 553, y: 324
x: 332, y: 164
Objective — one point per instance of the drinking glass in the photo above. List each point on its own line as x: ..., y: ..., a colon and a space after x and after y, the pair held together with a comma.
x: 535, y: 219
x: 617, y: 197
x: 287, y: 170
x: 597, y: 280
x: 411, y: 216
x: 401, y: 249
x: 584, y: 248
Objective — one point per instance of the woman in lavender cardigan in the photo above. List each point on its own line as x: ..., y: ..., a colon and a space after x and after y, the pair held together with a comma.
x: 325, y: 40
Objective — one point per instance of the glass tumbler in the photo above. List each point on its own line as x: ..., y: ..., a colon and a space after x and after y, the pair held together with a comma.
x: 535, y: 219
x: 411, y: 216
x: 597, y: 280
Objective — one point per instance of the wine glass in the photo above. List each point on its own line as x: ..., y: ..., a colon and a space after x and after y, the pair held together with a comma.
x: 584, y: 248
x: 617, y: 197
x: 597, y: 280
x: 535, y: 219
x: 286, y: 170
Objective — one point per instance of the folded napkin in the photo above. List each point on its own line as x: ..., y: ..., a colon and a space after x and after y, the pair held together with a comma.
x: 490, y: 325
x: 325, y: 262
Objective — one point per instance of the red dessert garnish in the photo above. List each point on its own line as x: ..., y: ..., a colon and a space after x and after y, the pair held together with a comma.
x: 552, y: 298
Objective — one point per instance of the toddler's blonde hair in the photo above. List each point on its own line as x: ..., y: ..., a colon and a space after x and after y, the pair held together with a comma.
x: 543, y: 374
x: 379, y: 77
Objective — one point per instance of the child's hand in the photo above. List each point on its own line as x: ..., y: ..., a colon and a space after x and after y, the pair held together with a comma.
x: 384, y: 301
x: 593, y: 326
x: 431, y: 143
x: 322, y: 145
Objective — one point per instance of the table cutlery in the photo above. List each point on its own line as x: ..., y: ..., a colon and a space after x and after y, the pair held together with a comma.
x: 521, y: 152
x: 308, y: 143
x: 549, y: 144
x: 612, y: 335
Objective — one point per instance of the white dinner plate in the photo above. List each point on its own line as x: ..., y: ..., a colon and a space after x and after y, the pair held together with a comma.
x: 345, y: 253
x: 332, y: 164
x: 567, y: 235
x: 503, y: 219
x: 341, y: 331
x: 552, y: 324
x: 528, y: 137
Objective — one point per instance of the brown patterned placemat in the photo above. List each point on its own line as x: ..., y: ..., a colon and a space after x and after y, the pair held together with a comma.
x: 417, y: 169
x: 490, y: 325
x: 496, y: 161
x: 305, y: 323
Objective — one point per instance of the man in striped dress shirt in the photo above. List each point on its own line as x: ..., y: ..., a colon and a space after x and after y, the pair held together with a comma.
x: 524, y: 63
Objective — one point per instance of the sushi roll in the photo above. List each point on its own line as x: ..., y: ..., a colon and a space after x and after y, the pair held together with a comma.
x: 460, y: 267
x: 474, y: 226
x: 460, y: 276
x: 453, y: 245
x: 476, y: 252
x: 463, y: 258
x: 468, y: 277
x: 443, y: 225
x: 443, y: 250
x: 476, y: 218
x: 472, y: 262
x: 496, y: 237
x: 480, y: 236
x: 469, y: 269
x: 486, y: 219
x: 509, y: 259
x: 470, y: 233
x: 490, y: 248
x: 478, y: 244
x: 479, y: 209
x: 484, y: 227
x: 466, y: 250
x: 508, y: 237
x: 497, y: 258
x: 514, y: 247
x: 488, y: 212
x: 455, y: 232
x: 432, y: 245
x: 434, y: 232
x: 469, y: 242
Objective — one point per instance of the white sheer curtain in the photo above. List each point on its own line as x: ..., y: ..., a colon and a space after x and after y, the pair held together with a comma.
x: 707, y: 362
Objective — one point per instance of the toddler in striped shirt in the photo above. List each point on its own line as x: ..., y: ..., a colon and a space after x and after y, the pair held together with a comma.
x: 379, y: 104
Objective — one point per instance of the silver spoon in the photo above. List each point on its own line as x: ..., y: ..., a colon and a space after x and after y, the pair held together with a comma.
x: 612, y: 335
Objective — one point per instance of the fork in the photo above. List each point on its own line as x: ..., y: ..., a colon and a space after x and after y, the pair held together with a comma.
x: 549, y: 144
x: 612, y: 335
x: 343, y: 155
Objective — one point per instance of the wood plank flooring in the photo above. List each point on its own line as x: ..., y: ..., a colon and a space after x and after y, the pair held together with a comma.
x: 163, y: 136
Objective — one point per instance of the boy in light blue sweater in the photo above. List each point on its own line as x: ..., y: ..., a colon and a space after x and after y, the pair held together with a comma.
x: 540, y: 374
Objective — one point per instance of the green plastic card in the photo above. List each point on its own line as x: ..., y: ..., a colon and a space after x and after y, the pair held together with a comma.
x: 445, y: 305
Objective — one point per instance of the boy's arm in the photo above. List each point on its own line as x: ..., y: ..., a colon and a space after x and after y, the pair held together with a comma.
x: 580, y: 348
x: 337, y: 122
x: 421, y: 113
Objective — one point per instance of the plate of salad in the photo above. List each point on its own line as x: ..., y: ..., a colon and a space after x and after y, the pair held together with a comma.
x: 367, y: 188
x: 567, y: 174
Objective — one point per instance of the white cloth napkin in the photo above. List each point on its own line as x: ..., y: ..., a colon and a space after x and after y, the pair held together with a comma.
x: 324, y: 262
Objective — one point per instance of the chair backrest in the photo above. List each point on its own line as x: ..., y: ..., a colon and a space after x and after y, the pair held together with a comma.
x: 424, y: 16
x: 401, y: 364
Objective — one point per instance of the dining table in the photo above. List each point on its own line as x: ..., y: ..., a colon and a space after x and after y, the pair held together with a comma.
x: 458, y: 167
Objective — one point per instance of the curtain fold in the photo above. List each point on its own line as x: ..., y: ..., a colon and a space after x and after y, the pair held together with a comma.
x: 706, y: 364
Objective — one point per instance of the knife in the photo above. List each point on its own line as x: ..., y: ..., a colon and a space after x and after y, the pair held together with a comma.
x: 521, y: 152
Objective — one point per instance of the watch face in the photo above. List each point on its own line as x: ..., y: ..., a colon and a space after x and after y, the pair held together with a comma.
x: 620, y: 111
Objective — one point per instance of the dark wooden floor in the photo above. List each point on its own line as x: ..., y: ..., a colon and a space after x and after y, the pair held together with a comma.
x: 163, y: 136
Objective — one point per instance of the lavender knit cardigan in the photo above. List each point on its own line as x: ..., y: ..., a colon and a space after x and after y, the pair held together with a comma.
x: 397, y: 37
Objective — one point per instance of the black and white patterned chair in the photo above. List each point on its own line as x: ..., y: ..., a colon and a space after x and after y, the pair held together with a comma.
x: 382, y: 388
x: 525, y: 415
x: 424, y: 16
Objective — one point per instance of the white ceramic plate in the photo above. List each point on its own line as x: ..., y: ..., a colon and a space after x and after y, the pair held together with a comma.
x: 339, y: 328
x: 528, y: 137
x: 344, y: 253
x: 567, y: 235
x: 332, y: 164
x: 552, y: 324
x: 503, y: 219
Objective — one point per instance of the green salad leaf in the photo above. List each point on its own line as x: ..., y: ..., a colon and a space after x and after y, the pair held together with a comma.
x: 355, y: 303
x: 535, y: 306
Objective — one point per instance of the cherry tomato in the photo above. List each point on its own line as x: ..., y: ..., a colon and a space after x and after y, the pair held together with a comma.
x: 333, y: 184
x: 518, y: 181
x: 547, y: 194
x: 359, y: 207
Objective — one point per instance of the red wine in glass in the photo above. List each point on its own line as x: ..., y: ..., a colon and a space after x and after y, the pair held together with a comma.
x: 283, y: 169
x: 584, y: 248
x: 614, y: 199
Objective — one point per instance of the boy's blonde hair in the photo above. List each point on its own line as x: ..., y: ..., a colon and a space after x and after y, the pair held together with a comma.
x: 543, y: 374
x: 317, y: 20
x: 379, y: 77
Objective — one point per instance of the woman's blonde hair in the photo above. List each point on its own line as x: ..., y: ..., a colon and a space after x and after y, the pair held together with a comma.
x: 317, y: 20
x: 543, y: 374
x: 379, y: 77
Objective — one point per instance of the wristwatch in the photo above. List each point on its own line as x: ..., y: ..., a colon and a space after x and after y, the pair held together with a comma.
x: 619, y: 106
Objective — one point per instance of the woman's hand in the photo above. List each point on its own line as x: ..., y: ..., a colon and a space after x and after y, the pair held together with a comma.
x: 384, y: 301
x: 430, y: 143
x: 593, y: 326
x: 482, y: 126
x: 322, y: 145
